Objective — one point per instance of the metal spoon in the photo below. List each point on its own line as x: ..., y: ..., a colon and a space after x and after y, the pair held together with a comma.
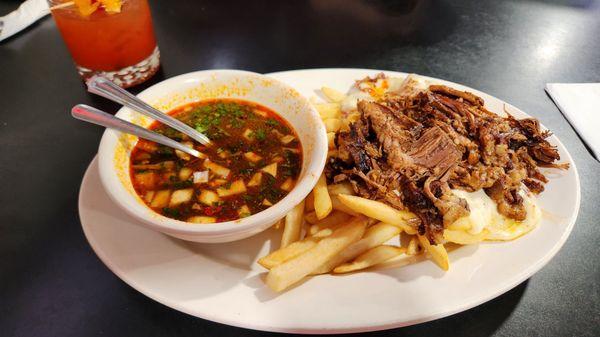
x: 92, y: 115
x: 104, y: 87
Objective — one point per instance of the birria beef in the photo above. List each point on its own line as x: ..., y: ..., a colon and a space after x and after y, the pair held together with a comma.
x: 410, y: 151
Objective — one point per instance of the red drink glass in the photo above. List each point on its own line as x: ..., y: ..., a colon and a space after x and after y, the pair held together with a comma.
x: 119, y: 45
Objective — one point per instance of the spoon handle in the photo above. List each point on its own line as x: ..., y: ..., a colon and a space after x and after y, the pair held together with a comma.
x: 104, y: 87
x: 92, y: 115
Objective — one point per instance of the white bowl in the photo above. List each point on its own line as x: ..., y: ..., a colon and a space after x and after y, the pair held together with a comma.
x: 115, y: 148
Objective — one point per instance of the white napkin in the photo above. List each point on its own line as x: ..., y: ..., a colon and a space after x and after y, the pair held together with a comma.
x: 29, y: 12
x: 580, y: 103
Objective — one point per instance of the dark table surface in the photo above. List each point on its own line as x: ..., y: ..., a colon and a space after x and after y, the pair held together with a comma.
x: 52, y: 284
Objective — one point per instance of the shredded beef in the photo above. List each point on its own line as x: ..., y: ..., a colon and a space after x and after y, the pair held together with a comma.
x: 411, y: 150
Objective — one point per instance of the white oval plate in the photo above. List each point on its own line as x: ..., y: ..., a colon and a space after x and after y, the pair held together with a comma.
x: 222, y: 283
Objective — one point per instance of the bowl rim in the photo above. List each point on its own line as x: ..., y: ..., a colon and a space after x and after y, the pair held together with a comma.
x: 118, y: 193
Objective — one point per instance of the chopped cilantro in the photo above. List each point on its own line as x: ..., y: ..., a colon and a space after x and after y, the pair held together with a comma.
x: 164, y: 150
x: 237, y: 123
x: 171, y: 212
x: 272, y: 123
x: 170, y: 132
x: 260, y: 134
x: 200, y: 128
x: 246, y: 171
x: 182, y: 184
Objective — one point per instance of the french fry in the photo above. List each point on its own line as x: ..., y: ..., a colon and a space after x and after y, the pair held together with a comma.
x: 438, y: 252
x: 333, y: 95
x: 372, y: 257
x: 380, y: 211
x: 323, y: 233
x: 341, y: 188
x: 322, y: 200
x: 353, y: 117
x: 374, y: 236
x: 332, y: 124
x: 413, y: 247
x: 294, y: 270
x: 338, y: 206
x: 333, y: 219
x: 293, y: 225
x: 331, y: 140
x: 329, y: 110
x: 309, y: 202
x: 284, y: 254
x: 328, y: 225
x: 462, y: 237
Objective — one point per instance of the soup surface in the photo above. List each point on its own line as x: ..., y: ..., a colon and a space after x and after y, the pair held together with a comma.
x: 253, y: 162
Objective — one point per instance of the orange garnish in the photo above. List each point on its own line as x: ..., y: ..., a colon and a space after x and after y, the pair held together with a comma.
x: 86, y: 7
x: 111, y: 6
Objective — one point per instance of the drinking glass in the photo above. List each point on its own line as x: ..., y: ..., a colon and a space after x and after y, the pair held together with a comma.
x: 116, y: 43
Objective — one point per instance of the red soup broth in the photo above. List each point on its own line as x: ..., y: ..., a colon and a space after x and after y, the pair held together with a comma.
x: 253, y: 162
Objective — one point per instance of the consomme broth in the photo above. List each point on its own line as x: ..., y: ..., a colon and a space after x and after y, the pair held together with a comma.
x: 253, y: 162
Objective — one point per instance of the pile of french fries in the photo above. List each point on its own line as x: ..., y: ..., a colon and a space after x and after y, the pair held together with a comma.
x: 335, y: 231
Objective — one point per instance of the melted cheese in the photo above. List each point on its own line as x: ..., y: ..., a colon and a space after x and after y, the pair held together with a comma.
x: 484, y: 217
x: 373, y: 91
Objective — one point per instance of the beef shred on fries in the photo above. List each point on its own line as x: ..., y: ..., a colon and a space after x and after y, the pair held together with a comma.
x: 411, y: 150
